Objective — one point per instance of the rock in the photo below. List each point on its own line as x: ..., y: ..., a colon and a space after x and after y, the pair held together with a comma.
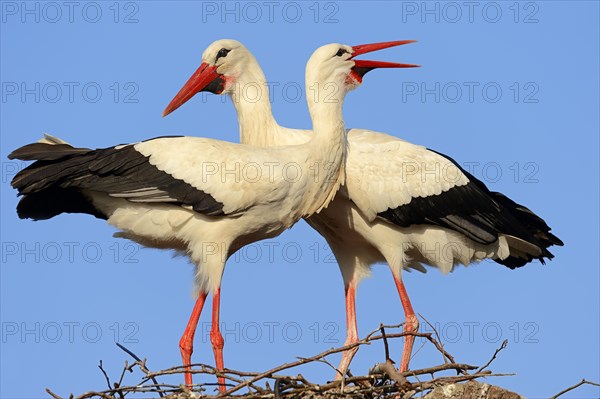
x: 471, y: 390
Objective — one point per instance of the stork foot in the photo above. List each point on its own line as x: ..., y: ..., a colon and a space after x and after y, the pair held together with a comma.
x: 346, y: 359
x: 217, y: 342
x: 186, y: 344
x: 186, y: 348
x: 410, y: 325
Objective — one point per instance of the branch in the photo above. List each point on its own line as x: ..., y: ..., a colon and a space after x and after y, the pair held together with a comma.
x: 137, y: 359
x: 504, y: 344
x: 105, y: 375
x: 381, y: 382
x: 55, y: 396
x: 580, y: 383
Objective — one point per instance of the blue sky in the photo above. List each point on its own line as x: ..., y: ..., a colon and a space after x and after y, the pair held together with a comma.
x: 508, y: 89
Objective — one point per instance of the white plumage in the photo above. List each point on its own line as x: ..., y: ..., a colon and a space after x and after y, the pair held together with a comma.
x: 402, y: 203
x: 205, y: 197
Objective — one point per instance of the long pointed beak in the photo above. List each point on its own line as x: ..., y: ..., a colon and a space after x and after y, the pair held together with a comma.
x: 382, y: 64
x: 361, y: 67
x: 368, y: 48
x: 203, y: 77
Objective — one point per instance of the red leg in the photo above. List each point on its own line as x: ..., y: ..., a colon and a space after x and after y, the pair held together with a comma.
x: 351, y: 331
x: 216, y: 338
x: 411, y: 324
x: 186, y: 344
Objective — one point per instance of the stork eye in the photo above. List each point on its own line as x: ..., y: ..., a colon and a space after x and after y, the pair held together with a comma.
x: 222, y: 53
x: 341, y: 52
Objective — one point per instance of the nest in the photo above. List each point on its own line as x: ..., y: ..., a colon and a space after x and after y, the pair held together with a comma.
x: 383, y: 380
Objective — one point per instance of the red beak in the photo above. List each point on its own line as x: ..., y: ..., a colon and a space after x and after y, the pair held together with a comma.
x: 203, y: 77
x: 207, y: 78
x: 361, y: 67
x: 368, y: 48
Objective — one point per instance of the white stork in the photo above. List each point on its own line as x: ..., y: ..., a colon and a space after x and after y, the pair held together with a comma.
x: 392, y: 208
x: 183, y: 193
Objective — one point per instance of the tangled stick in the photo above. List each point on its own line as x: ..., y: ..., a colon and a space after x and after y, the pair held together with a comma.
x: 382, y: 381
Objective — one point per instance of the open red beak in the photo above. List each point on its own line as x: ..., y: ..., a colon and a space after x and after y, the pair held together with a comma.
x: 205, y: 77
x: 369, y: 48
x: 361, y: 67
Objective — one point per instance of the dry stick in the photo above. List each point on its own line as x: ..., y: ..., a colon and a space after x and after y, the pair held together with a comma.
x: 419, y: 382
x: 430, y: 370
x: 430, y: 384
x: 414, y: 373
x: 439, y: 339
x: 333, y: 384
x: 364, y: 383
x: 416, y: 352
x: 138, y: 389
x: 388, y: 367
x: 390, y: 327
x: 428, y: 336
x: 366, y: 341
x: 289, y: 366
x: 321, y: 389
x: 92, y: 394
x: 441, y: 367
x: 117, y: 385
x: 55, y: 396
x: 504, y: 344
x: 186, y: 390
x: 105, y: 375
x: 385, y: 343
x: 580, y: 383
x: 207, y: 369
x: 308, y: 387
x: 133, y: 355
x: 321, y: 361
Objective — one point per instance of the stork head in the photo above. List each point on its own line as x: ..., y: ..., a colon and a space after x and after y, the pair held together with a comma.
x: 227, y: 61
x: 224, y: 63
x: 334, y: 65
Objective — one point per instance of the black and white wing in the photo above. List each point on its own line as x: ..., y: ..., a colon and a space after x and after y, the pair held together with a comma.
x: 407, y: 184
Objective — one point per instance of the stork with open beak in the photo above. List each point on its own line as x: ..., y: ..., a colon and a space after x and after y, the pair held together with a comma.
x: 392, y: 208
x: 179, y: 193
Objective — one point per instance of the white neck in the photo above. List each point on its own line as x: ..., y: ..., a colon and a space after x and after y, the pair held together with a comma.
x: 326, y: 149
x: 251, y: 100
x: 327, y: 146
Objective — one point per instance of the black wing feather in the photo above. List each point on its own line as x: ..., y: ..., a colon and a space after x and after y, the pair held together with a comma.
x: 61, y: 172
x: 479, y: 214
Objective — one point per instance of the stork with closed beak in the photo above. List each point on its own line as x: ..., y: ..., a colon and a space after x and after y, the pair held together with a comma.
x: 392, y: 208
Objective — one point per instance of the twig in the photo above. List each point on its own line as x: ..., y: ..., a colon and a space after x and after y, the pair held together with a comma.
x: 133, y: 355
x: 441, y: 367
x: 105, y: 375
x: 118, y: 384
x: 504, y: 344
x: 389, y: 369
x: 385, y: 343
x: 286, y: 366
x: 385, y: 383
x: 445, y: 354
x: 427, y: 336
x: 391, y: 327
x: 580, y: 383
x: 55, y: 396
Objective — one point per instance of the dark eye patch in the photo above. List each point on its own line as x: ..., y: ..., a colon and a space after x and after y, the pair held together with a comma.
x: 222, y: 53
x: 341, y: 52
